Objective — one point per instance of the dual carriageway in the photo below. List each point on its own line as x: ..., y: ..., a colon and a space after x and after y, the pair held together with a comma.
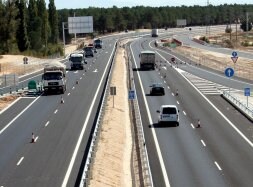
x: 217, y: 154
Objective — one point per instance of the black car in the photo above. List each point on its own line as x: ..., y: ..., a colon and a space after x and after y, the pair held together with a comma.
x: 88, y: 51
x: 157, y: 89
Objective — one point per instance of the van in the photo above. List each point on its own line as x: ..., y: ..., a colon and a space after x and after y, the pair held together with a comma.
x: 168, y: 114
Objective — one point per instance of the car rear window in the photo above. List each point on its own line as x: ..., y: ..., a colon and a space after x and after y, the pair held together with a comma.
x: 169, y: 110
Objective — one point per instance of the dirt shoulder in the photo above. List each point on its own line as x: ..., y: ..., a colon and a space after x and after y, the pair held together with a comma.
x: 113, y: 157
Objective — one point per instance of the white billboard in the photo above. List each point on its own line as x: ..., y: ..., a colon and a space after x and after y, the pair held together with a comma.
x: 181, y: 22
x: 80, y: 24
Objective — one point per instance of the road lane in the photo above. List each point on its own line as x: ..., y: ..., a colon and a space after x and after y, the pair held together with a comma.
x: 178, y: 140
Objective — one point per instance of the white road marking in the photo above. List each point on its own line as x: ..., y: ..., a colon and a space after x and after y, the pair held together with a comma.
x: 47, y: 124
x: 73, y: 158
x: 83, y: 73
x: 184, y: 112
x: 10, y: 105
x: 217, y: 165
x: 18, y: 116
x: 68, y: 94
x: 168, y: 87
x: 20, y: 160
x: 228, y: 121
x: 172, y: 94
x: 73, y: 88
x: 192, y: 126
x: 55, y: 111
x: 164, y: 172
x: 164, y: 81
x: 36, y: 139
x: 178, y: 102
x: 202, y: 141
x: 81, y: 77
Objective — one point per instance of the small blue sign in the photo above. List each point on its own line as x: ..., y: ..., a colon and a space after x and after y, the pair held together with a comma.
x: 234, y: 54
x: 229, y: 72
x: 247, y: 91
x: 131, y: 94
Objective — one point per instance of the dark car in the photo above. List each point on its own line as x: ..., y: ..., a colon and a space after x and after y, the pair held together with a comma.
x: 157, y: 89
x: 88, y: 51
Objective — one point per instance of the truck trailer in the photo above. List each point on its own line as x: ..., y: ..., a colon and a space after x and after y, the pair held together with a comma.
x: 147, y: 60
x: 53, y: 78
x: 154, y: 33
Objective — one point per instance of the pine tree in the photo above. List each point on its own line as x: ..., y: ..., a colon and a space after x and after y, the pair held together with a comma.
x: 53, y: 22
x: 21, y: 35
x: 43, y: 14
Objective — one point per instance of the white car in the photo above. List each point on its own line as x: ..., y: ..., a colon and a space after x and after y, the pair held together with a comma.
x: 168, y: 114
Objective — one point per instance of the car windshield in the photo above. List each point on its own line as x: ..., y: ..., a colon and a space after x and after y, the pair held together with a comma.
x: 53, y: 76
x: 76, y: 59
x: 169, y: 110
x: 88, y: 49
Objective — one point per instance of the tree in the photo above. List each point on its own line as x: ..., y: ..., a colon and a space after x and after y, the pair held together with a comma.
x: 21, y: 35
x: 43, y: 14
x: 8, y: 29
x: 244, y: 26
x: 34, y: 26
x: 53, y: 22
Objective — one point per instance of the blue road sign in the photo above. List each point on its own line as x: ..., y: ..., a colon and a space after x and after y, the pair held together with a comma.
x: 247, y: 91
x: 229, y: 72
x: 234, y: 54
x: 131, y: 94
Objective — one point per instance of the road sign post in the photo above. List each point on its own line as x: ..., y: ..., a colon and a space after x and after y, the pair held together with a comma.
x: 131, y: 94
x: 229, y: 72
x: 247, y: 94
x: 113, y: 93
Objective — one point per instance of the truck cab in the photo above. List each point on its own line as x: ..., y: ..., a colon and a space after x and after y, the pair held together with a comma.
x: 77, y: 61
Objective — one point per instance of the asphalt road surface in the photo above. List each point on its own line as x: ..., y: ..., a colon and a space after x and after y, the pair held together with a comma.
x: 217, y: 154
x: 61, y: 131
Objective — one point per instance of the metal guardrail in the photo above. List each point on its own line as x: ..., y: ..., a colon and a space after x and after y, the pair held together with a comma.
x: 238, y: 104
x: 145, y: 168
x: 87, y: 171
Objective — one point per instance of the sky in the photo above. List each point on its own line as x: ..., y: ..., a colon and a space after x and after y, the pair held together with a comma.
x: 73, y: 4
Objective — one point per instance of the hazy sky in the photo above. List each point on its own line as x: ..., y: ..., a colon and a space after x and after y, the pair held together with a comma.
x: 60, y: 4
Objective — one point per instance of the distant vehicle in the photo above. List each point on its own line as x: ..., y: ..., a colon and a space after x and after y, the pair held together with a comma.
x: 77, y: 61
x: 90, y: 45
x: 98, y: 43
x: 53, y: 78
x: 157, y: 89
x: 88, y: 51
x: 168, y: 114
x: 147, y: 60
x: 154, y: 33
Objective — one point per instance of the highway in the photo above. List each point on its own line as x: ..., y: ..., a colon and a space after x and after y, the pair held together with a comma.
x: 61, y: 130
x: 217, y: 154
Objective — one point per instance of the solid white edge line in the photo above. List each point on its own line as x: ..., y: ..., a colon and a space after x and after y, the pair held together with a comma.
x: 3, y: 129
x: 202, y: 141
x: 73, y: 158
x: 2, y: 111
x: 165, y: 175
x: 20, y: 160
x: 229, y: 122
x: 217, y: 165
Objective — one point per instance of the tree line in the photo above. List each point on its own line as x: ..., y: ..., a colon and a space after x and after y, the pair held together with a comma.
x: 118, y: 19
x: 31, y: 27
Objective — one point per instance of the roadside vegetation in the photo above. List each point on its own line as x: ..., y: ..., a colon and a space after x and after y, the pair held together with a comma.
x: 31, y: 28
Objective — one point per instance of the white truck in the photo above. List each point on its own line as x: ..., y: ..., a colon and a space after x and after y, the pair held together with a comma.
x: 147, y: 60
x: 154, y: 33
x: 53, y: 78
